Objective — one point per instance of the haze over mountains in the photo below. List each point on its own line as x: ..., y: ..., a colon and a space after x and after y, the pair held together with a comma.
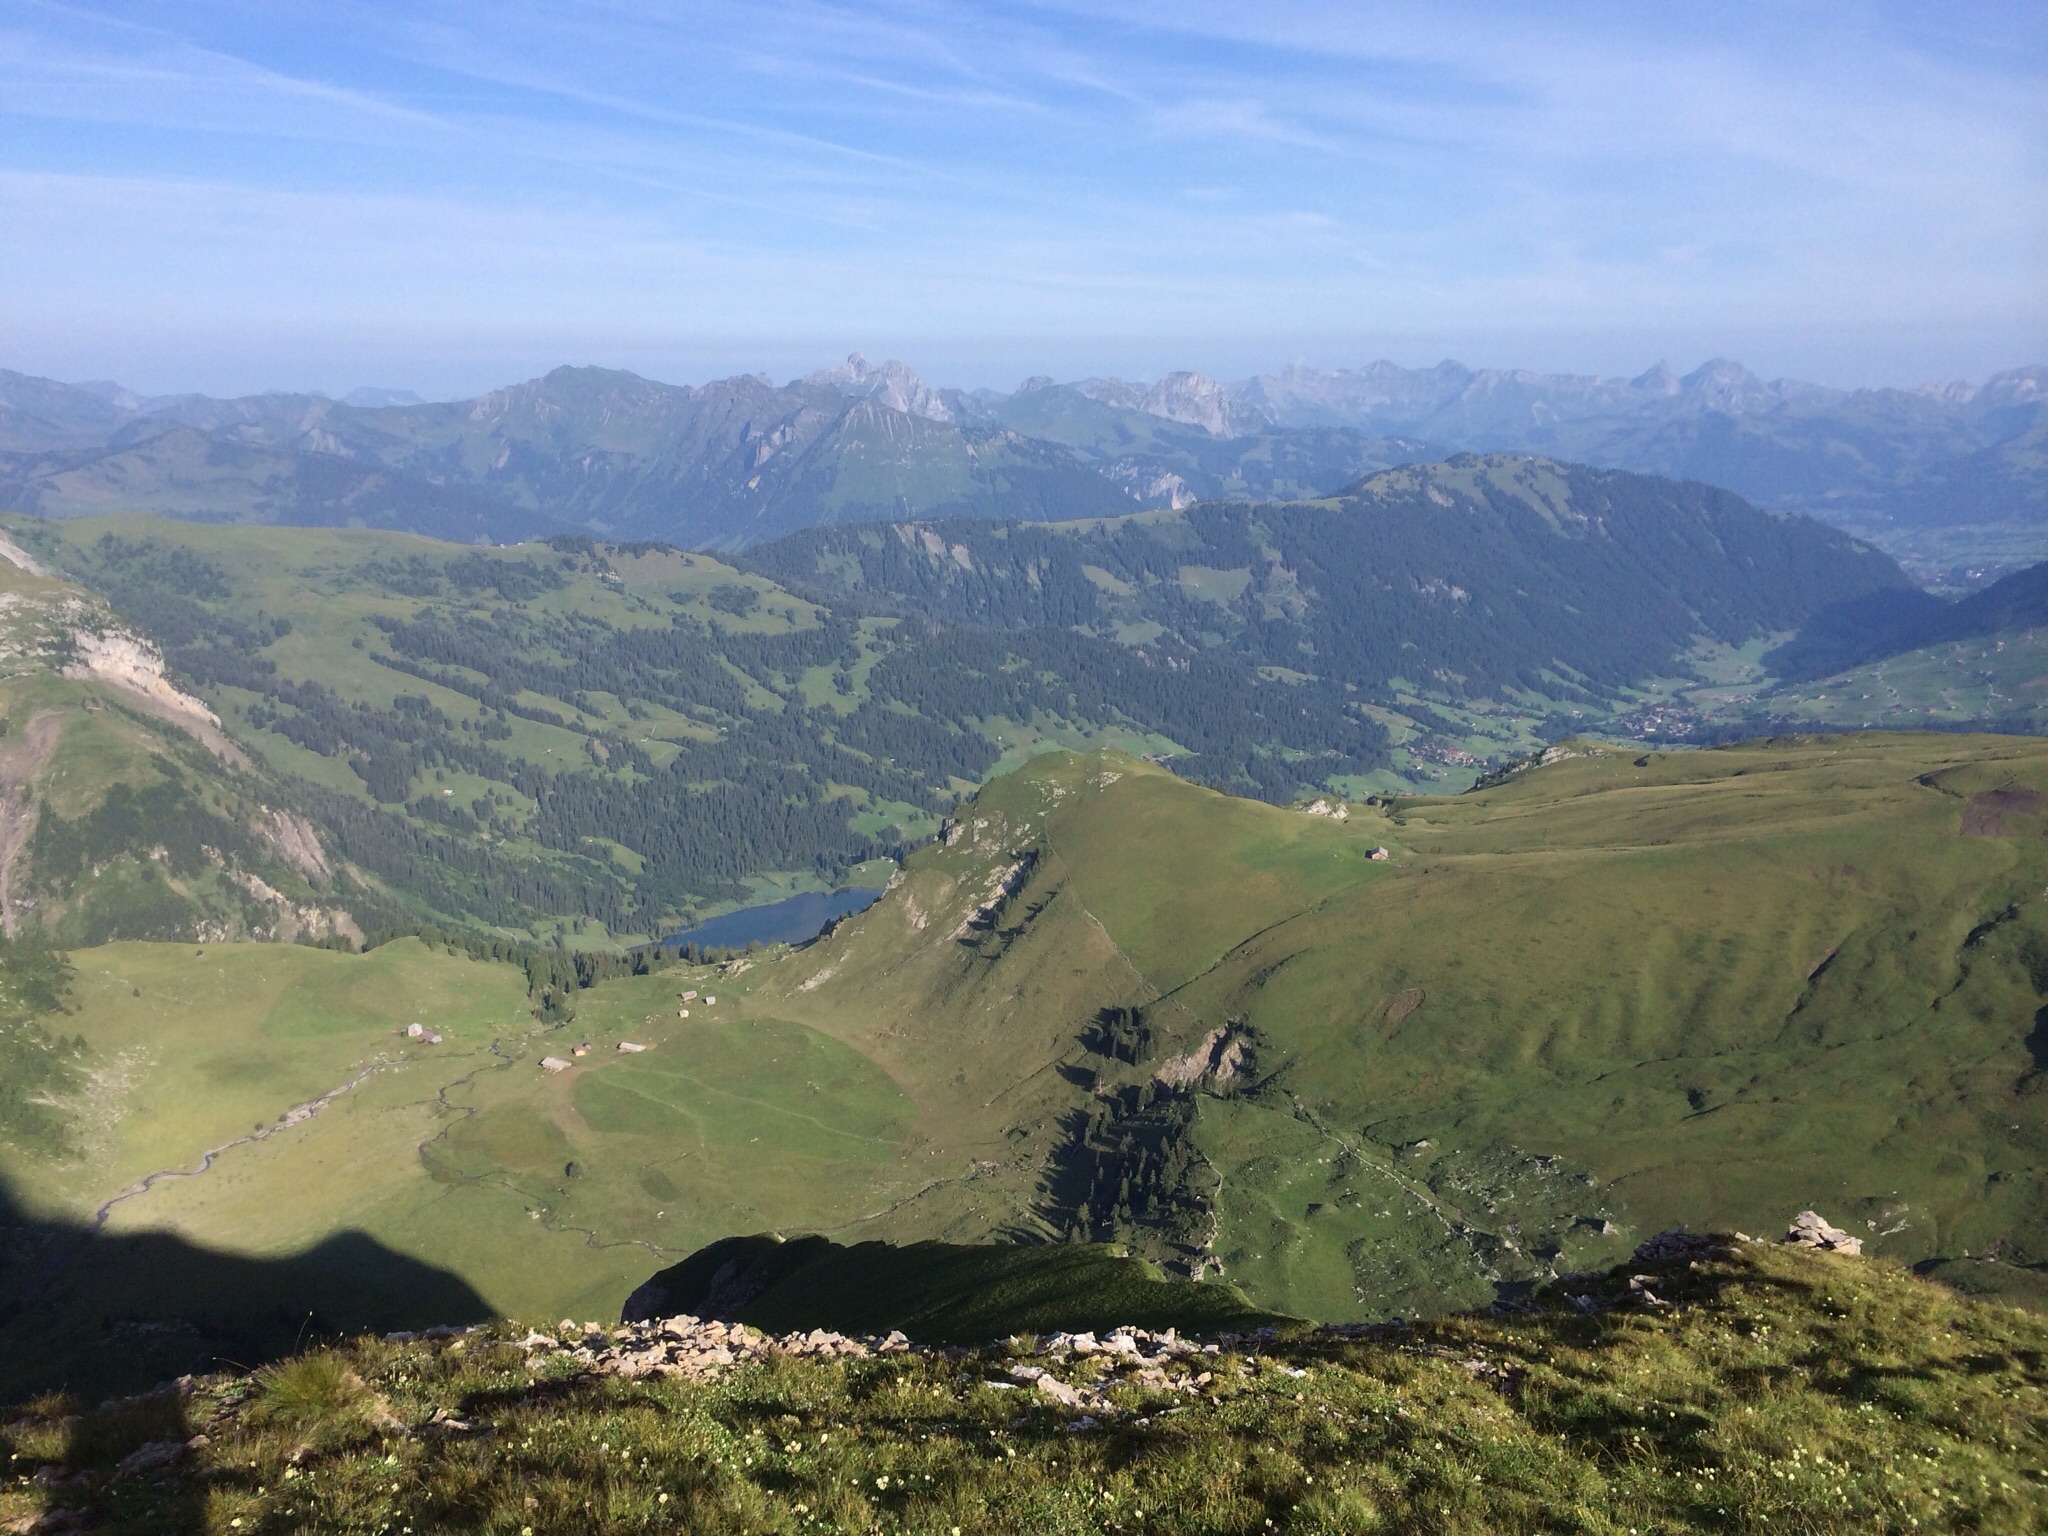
x: 1941, y: 477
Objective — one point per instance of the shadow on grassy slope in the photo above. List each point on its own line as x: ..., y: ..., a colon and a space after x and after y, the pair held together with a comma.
x: 937, y: 1293
x: 93, y: 1313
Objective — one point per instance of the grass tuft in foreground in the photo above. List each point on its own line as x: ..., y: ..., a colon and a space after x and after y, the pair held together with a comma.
x: 319, y: 1396
x: 1763, y: 1390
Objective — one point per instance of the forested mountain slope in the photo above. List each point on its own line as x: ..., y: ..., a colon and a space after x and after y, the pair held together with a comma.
x: 1884, y: 624
x: 620, y: 736
x: 540, y: 738
x: 125, y: 810
x: 1483, y: 575
x: 623, y: 733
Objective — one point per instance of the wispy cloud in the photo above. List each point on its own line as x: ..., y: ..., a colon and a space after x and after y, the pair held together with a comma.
x: 947, y: 170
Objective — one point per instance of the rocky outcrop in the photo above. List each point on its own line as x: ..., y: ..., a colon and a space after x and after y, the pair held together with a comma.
x: 133, y: 667
x: 892, y: 384
x: 1149, y: 483
x: 718, y: 1281
x: 1198, y: 401
x: 15, y: 554
x: 1680, y: 1246
x: 1071, y: 1370
x: 1811, y: 1230
x: 22, y: 757
x: 129, y: 662
x: 1002, y: 885
x: 1190, y: 398
x: 1223, y: 1054
x: 693, y: 1348
x: 293, y: 836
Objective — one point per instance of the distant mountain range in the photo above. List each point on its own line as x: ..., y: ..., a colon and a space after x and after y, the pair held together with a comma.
x: 1938, y: 476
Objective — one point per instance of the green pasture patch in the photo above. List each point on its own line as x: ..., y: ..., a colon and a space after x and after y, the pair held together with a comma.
x: 284, y: 756
x: 915, y: 821
x: 97, y: 741
x: 1717, y: 989
x: 508, y: 1139
x: 1179, y: 874
x: 1206, y: 584
x: 1021, y: 742
x: 723, y: 1124
x: 521, y: 1187
x: 196, y: 1046
x: 818, y: 687
x: 874, y: 874
x: 739, y: 1082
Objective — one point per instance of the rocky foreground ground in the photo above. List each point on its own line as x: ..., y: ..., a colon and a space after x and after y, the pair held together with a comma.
x: 1713, y: 1384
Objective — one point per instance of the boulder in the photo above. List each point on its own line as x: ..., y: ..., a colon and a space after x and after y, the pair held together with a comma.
x: 1811, y: 1230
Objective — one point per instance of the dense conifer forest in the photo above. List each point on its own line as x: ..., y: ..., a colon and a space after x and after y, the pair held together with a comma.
x: 626, y: 733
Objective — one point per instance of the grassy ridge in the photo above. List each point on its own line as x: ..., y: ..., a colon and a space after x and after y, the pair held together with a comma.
x: 1617, y: 993
x: 937, y: 1293
x: 1771, y: 1391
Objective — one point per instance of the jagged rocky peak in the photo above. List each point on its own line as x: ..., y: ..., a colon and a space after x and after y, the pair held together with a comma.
x: 1300, y: 395
x: 117, y: 395
x: 2016, y: 386
x: 1119, y: 392
x: 1200, y: 401
x: 892, y: 384
x: 1190, y: 398
x: 1726, y: 385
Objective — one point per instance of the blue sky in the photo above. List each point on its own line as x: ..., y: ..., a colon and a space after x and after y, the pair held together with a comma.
x: 235, y: 194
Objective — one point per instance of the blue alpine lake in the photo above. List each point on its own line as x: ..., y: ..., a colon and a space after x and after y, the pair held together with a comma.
x: 789, y: 921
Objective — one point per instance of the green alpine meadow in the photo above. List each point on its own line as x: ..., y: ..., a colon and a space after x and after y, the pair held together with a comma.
x: 360, y: 1114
